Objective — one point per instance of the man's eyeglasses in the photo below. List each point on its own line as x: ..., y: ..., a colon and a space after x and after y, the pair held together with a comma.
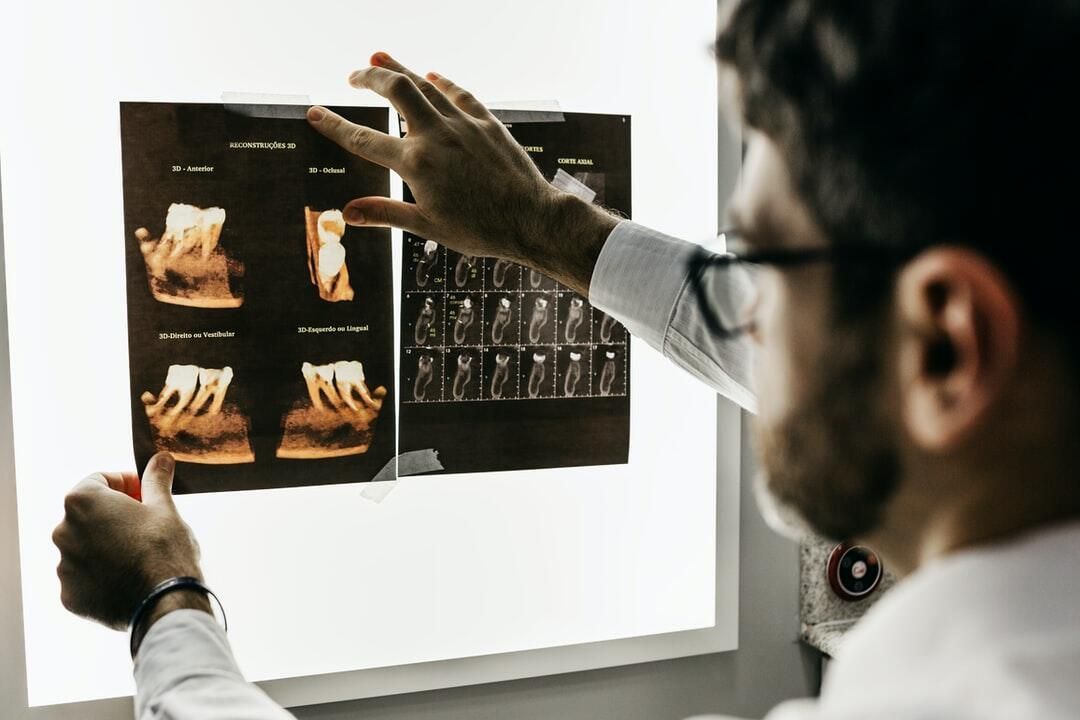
x: 726, y: 284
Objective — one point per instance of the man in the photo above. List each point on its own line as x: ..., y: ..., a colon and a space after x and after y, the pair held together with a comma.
x: 915, y: 361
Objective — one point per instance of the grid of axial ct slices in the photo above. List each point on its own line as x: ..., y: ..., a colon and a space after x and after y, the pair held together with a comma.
x: 481, y: 329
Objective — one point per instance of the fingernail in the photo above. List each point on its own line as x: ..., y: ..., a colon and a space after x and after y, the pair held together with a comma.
x: 353, y: 215
x: 354, y: 78
x: 380, y: 58
x: 315, y: 114
x: 434, y: 76
x: 165, y: 462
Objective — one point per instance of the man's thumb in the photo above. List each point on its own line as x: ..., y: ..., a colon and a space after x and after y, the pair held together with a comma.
x: 157, y: 480
x: 378, y: 211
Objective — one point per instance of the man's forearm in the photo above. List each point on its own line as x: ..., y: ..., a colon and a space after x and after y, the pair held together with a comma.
x: 565, y: 241
x: 186, y: 670
x: 641, y: 279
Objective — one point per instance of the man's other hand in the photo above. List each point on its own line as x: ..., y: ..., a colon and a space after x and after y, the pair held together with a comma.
x: 114, y: 549
x: 476, y: 190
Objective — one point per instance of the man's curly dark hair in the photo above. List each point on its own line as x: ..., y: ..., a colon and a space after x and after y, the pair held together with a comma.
x: 917, y: 122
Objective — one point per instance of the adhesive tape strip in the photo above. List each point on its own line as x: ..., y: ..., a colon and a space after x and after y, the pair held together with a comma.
x: 568, y: 183
x: 413, y: 462
x: 262, y: 105
x: 377, y: 490
x: 527, y: 111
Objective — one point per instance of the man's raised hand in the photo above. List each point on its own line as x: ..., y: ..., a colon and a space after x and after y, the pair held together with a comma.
x: 476, y: 190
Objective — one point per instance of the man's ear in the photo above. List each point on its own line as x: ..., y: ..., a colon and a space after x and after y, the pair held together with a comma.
x: 959, y: 342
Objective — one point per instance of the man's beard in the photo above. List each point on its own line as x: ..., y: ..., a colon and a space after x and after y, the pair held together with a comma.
x: 831, y: 465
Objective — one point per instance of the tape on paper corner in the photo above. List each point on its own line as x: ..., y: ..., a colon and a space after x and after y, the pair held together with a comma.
x: 264, y: 105
x: 413, y: 462
x: 568, y: 183
x: 527, y: 111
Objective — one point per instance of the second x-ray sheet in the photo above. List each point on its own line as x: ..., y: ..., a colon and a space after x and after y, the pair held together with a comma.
x: 260, y: 325
x: 503, y: 368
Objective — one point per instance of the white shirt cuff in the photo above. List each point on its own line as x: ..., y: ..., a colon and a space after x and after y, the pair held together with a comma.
x: 639, y: 278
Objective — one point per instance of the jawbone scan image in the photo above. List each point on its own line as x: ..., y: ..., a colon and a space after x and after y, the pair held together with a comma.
x: 465, y: 318
x: 500, y: 376
x: 572, y: 375
x: 537, y: 374
x: 464, y: 266
x: 463, y: 376
x: 538, y: 320
x: 425, y: 372
x: 426, y: 263
x: 200, y: 426
x: 573, y: 319
x: 337, y: 418
x: 424, y: 321
x: 503, y: 314
x: 186, y: 265
x: 326, y: 254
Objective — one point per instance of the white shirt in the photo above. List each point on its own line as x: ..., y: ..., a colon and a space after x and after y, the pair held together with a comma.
x: 992, y: 632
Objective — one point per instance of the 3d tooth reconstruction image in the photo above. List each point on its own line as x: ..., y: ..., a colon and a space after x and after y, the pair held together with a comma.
x: 261, y: 301
x: 336, y: 417
x: 190, y: 418
x: 326, y: 254
x: 186, y: 265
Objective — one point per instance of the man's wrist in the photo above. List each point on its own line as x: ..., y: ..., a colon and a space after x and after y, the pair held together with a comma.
x: 176, y: 600
x: 566, y: 243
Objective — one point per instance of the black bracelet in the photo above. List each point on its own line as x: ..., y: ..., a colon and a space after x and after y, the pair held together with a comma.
x: 161, y: 589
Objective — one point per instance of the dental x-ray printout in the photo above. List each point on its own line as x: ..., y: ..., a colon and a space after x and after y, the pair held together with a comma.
x: 503, y: 368
x: 260, y: 325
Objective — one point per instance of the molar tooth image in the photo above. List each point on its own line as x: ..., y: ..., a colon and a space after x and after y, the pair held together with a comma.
x: 326, y: 254
x: 464, y: 264
x: 337, y: 418
x: 349, y: 381
x: 607, y: 325
x: 573, y: 319
x: 186, y: 265
x: 424, y: 373
x: 607, y: 374
x: 200, y: 427
x: 424, y: 321
x: 503, y: 314
x: 500, y: 376
x: 464, y: 321
x: 573, y: 375
x: 537, y: 374
x: 463, y: 376
x: 498, y: 273
x: 426, y: 263
x: 538, y: 320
